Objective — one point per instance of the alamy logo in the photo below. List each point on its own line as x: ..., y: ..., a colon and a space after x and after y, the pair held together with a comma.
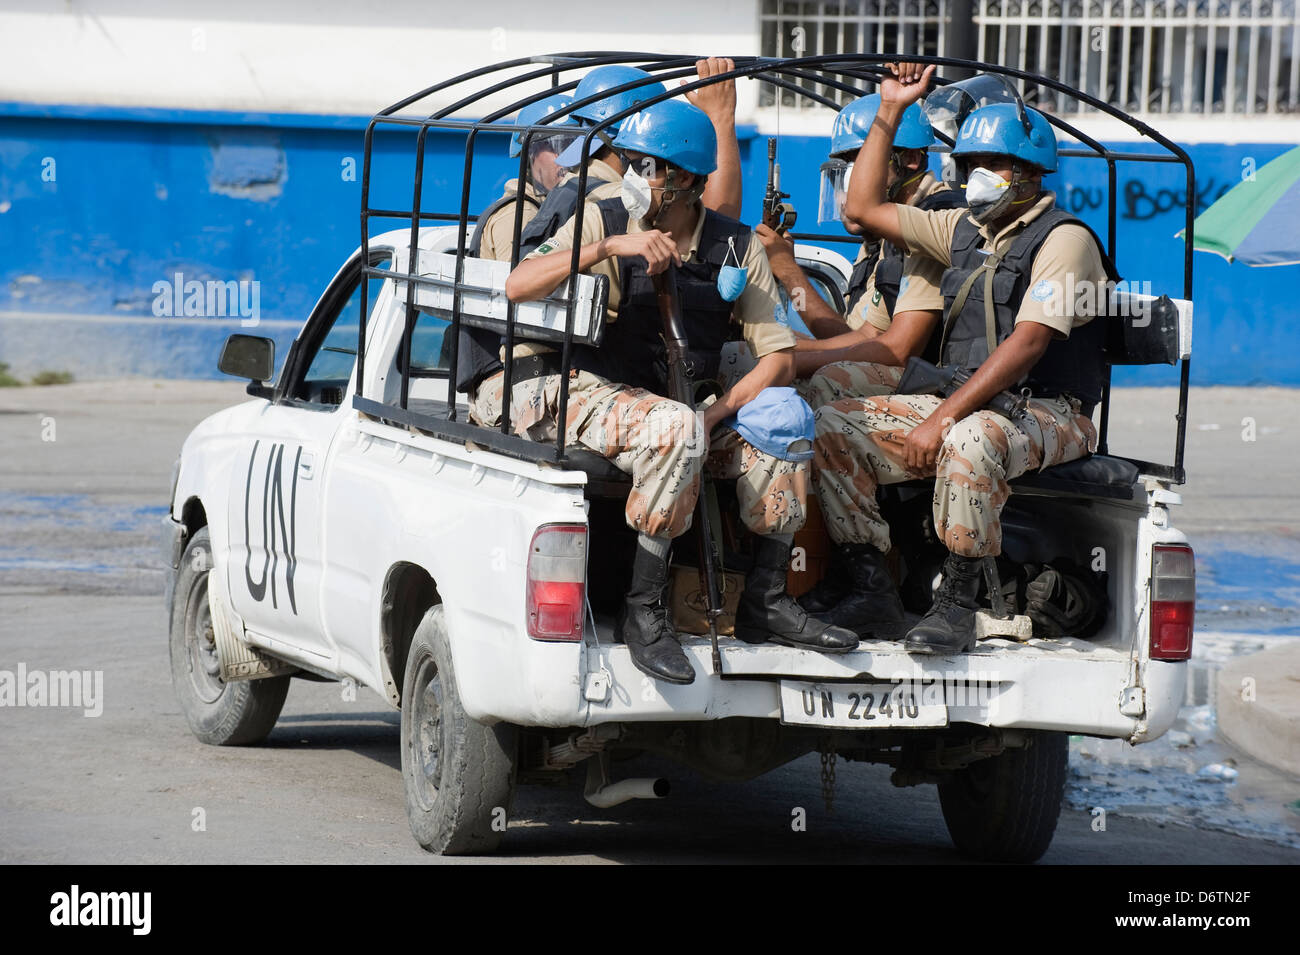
x: 74, y: 688
x: 210, y: 299
x: 103, y: 908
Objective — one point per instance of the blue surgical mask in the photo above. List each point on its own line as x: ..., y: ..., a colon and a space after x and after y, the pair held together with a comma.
x: 731, y: 278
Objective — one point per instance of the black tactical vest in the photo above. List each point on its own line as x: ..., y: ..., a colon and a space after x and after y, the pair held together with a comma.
x: 1075, y: 366
x: 478, y: 350
x: 862, y: 270
x: 556, y: 209
x: 632, y: 350
x: 889, y: 270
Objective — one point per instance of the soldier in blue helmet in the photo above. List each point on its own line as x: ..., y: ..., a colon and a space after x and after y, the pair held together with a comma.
x: 604, y: 167
x: 494, y: 233
x: 478, y: 360
x: 493, y: 236
x: 1008, y: 261
x: 758, y: 430
x: 866, y: 349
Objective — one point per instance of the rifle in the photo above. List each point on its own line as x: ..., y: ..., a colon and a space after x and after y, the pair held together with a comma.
x: 679, y: 389
x: 922, y: 378
x: 777, y: 215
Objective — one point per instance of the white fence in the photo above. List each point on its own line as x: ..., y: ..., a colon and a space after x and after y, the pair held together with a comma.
x: 1170, y: 57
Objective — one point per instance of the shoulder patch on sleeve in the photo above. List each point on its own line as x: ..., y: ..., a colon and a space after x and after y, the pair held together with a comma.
x: 1042, y: 291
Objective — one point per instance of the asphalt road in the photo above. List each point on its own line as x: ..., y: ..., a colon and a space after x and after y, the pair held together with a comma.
x: 80, y: 586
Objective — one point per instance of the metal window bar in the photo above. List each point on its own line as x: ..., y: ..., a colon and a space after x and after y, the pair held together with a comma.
x: 858, y: 67
x: 1174, y: 43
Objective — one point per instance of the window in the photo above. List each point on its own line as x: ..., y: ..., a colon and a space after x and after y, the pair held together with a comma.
x: 1171, y: 57
x: 430, y: 346
x: 329, y: 345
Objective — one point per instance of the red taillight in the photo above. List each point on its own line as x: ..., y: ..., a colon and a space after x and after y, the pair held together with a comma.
x: 557, y: 575
x: 1173, y: 601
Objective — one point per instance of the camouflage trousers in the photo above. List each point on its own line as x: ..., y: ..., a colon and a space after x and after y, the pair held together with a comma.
x: 859, y: 446
x: 738, y: 361
x: 852, y: 379
x: 659, y: 443
x: 842, y: 379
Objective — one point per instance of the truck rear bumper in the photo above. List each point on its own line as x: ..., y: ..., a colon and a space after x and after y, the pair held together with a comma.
x: 1067, y: 686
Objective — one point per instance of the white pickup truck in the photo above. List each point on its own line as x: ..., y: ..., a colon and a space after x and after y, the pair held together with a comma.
x: 326, y: 529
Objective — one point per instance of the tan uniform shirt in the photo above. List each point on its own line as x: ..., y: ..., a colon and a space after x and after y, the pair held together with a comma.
x: 612, y: 182
x: 755, y: 309
x: 499, y: 229
x: 1066, y: 277
x: 922, y: 280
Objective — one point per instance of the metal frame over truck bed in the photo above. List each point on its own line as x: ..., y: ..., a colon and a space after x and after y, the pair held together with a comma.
x: 842, y: 72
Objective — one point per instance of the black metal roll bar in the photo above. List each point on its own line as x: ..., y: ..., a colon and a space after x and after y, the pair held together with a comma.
x: 840, y: 72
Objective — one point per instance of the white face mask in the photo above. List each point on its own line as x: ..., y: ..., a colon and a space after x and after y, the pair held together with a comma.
x: 636, y: 194
x: 987, y: 194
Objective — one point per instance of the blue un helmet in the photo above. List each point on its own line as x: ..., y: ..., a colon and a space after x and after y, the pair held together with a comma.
x: 1008, y: 129
x: 675, y: 131
x: 534, y: 113
x: 597, y: 81
x: 853, y: 122
x: 606, y: 78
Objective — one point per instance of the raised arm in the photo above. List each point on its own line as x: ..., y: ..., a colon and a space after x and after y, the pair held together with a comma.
x: 865, y: 203
x: 722, y: 191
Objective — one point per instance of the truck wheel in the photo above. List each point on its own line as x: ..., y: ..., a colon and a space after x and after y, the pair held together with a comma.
x: 1004, y: 808
x: 459, y: 775
x: 219, y: 713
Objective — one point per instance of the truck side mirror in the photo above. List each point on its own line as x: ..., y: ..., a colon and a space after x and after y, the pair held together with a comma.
x: 251, y: 357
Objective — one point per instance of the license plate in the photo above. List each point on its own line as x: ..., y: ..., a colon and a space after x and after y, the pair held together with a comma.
x: 858, y: 706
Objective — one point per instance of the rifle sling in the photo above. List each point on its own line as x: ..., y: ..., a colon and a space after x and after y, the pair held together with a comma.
x: 989, y: 267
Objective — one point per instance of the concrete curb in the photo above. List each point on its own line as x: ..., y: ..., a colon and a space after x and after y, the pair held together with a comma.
x: 1258, y: 700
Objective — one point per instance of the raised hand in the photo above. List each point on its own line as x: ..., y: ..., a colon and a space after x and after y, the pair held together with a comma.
x: 908, y: 84
x: 717, y: 100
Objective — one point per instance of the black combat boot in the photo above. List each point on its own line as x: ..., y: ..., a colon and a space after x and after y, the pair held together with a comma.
x: 644, y: 626
x: 835, y: 585
x: 872, y: 608
x: 949, y: 627
x: 766, y: 612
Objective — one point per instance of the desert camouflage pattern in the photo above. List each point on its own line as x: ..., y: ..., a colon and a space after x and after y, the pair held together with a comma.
x: 859, y: 446
x: 852, y: 379
x: 738, y: 361
x: 659, y: 443
x: 772, y: 493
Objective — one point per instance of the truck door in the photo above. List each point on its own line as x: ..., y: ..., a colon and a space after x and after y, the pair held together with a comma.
x: 278, y: 479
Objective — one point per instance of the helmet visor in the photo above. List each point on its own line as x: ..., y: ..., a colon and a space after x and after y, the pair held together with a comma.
x: 948, y: 106
x: 835, y: 175
x: 556, y: 143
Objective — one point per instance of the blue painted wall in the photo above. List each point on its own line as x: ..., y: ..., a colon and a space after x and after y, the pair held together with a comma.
x: 97, y: 205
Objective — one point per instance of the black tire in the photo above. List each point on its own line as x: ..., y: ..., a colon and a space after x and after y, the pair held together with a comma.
x: 219, y: 713
x: 459, y: 775
x: 1004, y: 808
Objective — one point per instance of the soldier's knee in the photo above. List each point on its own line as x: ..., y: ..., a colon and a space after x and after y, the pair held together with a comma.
x: 963, y: 438
x: 672, y: 424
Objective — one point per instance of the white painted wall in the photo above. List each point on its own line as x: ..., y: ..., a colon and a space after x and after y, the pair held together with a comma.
x: 325, y: 57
